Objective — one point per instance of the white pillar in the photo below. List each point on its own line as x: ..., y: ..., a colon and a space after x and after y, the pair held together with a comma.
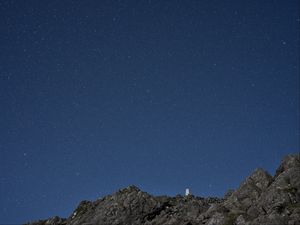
x: 187, y: 191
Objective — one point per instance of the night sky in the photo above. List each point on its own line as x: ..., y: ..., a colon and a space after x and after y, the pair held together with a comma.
x: 98, y: 95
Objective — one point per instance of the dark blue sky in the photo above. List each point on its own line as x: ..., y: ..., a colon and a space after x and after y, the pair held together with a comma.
x: 98, y: 95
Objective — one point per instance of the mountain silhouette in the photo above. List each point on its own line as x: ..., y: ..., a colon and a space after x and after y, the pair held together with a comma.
x: 260, y: 199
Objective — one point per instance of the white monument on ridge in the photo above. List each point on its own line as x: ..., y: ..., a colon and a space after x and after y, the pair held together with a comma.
x: 187, y: 192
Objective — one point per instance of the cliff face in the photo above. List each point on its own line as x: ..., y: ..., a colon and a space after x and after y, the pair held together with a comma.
x: 260, y: 199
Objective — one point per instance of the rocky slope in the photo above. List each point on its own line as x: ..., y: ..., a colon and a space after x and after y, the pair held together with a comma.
x: 260, y: 199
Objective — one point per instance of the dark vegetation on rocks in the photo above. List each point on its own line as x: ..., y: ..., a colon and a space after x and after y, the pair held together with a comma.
x: 260, y: 199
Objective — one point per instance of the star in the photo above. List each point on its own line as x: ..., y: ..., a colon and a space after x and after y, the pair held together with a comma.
x: 77, y: 174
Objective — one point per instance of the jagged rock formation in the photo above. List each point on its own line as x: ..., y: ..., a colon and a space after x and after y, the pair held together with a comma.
x: 260, y: 199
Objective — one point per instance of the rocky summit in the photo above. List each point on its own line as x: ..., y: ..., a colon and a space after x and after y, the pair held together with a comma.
x: 260, y: 199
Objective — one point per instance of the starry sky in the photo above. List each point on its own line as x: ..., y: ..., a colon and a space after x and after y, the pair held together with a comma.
x: 98, y: 95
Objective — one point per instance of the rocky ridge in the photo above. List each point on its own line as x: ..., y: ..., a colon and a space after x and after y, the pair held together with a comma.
x: 260, y: 199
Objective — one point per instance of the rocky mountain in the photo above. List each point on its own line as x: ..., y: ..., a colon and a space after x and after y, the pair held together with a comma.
x: 260, y: 199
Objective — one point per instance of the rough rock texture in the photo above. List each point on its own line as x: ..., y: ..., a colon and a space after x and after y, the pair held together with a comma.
x: 260, y: 199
